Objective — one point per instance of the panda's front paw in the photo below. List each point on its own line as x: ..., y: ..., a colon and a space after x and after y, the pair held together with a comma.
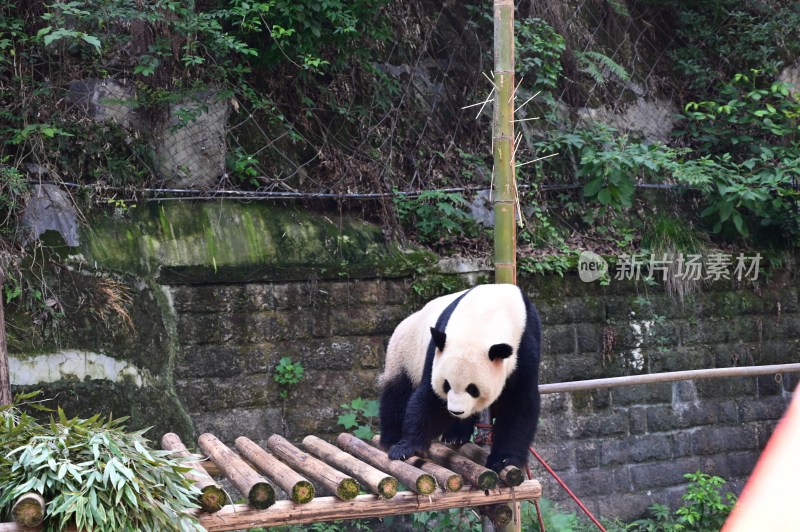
x: 401, y: 451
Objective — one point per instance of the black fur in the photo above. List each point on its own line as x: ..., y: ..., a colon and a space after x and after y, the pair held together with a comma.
x: 412, y: 417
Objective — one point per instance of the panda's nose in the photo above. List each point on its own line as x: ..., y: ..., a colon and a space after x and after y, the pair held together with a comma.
x: 455, y: 413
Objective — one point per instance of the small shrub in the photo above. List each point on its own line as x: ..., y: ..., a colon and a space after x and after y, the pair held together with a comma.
x: 704, y: 508
x: 436, y: 214
x: 360, y: 417
x: 287, y: 374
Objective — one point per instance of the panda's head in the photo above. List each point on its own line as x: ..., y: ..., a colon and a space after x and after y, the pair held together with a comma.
x: 469, y: 377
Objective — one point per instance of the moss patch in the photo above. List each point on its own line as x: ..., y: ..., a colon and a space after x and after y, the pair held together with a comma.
x: 182, y: 242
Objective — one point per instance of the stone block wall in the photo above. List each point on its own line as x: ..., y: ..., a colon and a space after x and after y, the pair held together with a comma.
x: 231, y: 338
x: 626, y: 448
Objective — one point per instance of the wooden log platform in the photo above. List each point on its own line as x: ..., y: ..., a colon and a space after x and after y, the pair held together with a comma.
x: 225, y: 462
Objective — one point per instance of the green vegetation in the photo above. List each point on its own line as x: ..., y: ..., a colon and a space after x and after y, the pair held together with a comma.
x: 704, y: 508
x: 360, y: 417
x: 288, y: 373
x: 437, y: 217
x: 333, y: 97
x: 92, y: 473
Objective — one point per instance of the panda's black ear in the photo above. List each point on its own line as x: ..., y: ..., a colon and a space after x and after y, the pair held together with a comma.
x: 500, y: 351
x: 438, y: 338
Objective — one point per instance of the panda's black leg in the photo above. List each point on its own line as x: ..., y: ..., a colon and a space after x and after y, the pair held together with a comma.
x: 425, y: 417
x: 460, y: 432
x: 514, y: 427
x: 394, y: 399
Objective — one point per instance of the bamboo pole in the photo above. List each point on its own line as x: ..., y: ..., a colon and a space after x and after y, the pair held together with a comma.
x: 236, y: 517
x: 505, y: 201
x: 416, y: 479
x: 694, y: 374
x: 5, y: 379
x: 477, y: 475
x: 377, y: 481
x: 29, y: 509
x: 212, y: 498
x: 298, y: 488
x: 259, y: 492
x: 343, y: 486
x: 511, y: 475
x: 449, y: 480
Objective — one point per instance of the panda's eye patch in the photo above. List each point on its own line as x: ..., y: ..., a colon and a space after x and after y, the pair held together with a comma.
x: 446, y: 386
x: 473, y: 390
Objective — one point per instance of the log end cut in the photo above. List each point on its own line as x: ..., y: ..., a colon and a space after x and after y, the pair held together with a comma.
x: 512, y: 476
x: 212, y: 499
x: 348, y: 489
x: 29, y: 510
x: 303, y: 492
x: 387, y: 488
x: 454, y: 483
x: 261, y: 496
x: 487, y: 480
x: 426, y: 484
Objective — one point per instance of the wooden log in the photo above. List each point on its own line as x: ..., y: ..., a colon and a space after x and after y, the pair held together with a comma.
x: 447, y: 479
x: 259, y: 492
x: 416, y: 479
x: 511, y: 475
x: 499, y: 514
x: 344, y: 487
x: 475, y: 474
x: 29, y: 509
x: 299, y: 489
x: 237, y: 516
x: 212, y: 498
x: 378, y: 482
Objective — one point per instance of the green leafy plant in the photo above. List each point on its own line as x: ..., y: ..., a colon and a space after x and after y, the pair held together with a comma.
x: 704, y: 508
x: 287, y: 374
x: 13, y: 190
x: 358, y: 525
x: 444, y: 521
x: 93, y: 474
x: 752, y: 155
x: 360, y: 417
x: 436, y: 215
x: 727, y: 36
x: 596, y: 65
x: 539, y: 49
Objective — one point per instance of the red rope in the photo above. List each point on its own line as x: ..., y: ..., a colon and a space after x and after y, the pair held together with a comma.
x: 569, y: 491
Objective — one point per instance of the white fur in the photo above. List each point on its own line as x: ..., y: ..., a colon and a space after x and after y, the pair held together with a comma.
x: 488, y: 315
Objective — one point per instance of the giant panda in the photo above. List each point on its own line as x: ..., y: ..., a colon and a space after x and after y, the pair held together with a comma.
x: 459, y: 354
